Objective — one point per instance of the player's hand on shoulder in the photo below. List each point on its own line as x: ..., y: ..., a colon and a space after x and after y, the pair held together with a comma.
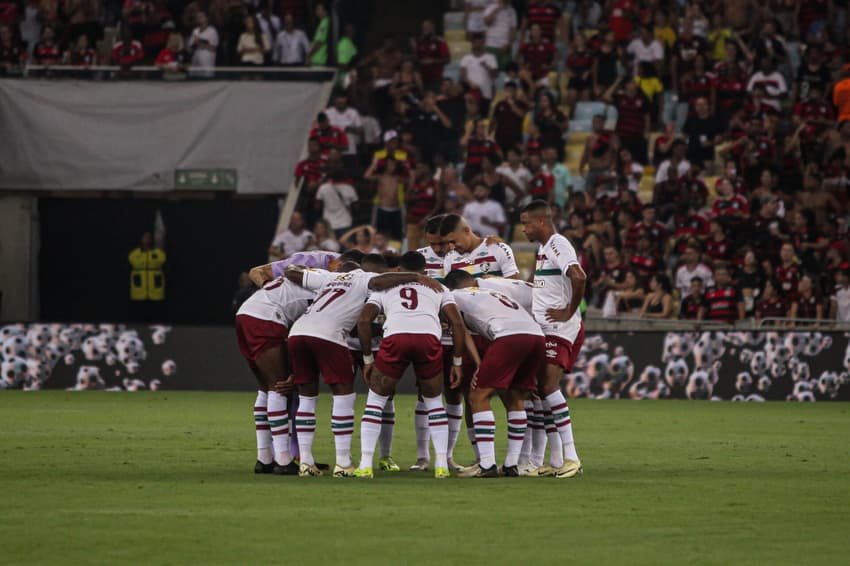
x: 432, y: 284
x: 492, y: 239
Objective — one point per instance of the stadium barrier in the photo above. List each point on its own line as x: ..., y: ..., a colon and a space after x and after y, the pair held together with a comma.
x: 742, y: 365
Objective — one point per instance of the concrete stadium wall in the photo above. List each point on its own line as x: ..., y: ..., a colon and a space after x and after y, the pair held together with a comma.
x: 742, y: 366
x: 17, y: 292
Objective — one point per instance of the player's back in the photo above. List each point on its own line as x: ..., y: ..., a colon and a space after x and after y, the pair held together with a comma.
x: 339, y: 300
x: 520, y: 291
x: 279, y: 300
x: 411, y: 309
x: 493, y: 314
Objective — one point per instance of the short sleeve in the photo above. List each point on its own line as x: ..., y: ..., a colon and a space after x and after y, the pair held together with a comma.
x: 562, y: 253
x: 447, y: 298
x: 314, y: 279
x: 507, y: 263
x: 377, y: 299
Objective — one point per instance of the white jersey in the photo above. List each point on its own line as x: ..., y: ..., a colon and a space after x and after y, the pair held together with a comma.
x: 495, y: 259
x: 552, y: 289
x: 279, y: 300
x: 520, y: 291
x: 433, y: 263
x: 340, y: 298
x: 493, y: 314
x: 412, y: 309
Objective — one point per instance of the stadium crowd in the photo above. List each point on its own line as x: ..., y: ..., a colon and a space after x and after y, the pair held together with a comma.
x: 696, y: 154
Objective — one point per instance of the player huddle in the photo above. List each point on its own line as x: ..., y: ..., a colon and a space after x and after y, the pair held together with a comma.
x: 457, y: 312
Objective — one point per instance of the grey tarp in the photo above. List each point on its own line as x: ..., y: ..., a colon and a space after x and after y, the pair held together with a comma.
x: 133, y: 135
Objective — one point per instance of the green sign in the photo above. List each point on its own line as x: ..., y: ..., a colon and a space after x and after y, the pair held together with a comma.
x: 206, y: 179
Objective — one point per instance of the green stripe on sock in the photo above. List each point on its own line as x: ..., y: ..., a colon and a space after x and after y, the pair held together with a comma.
x: 376, y: 414
x: 343, y: 425
x: 545, y: 272
x: 516, y: 429
x: 305, y: 422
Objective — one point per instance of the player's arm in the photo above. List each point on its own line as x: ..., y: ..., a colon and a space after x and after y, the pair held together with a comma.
x: 578, y: 279
x: 389, y: 280
x: 459, y: 334
x: 364, y: 330
x: 507, y: 262
x: 261, y: 274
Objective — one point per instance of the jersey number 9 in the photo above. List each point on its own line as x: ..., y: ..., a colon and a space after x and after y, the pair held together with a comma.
x: 411, y: 298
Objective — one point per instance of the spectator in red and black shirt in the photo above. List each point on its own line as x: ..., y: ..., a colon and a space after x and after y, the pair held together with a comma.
x: 685, y: 50
x: 46, y: 51
x: 311, y: 169
x: 690, y: 226
x: 767, y: 230
x: 329, y: 136
x: 693, y: 306
x: 424, y: 198
x: 537, y: 55
x: 612, y: 274
x: 645, y: 262
x: 808, y: 304
x: 699, y: 84
x: 728, y: 204
x: 547, y: 15
x: 723, y: 300
x: 718, y: 247
x: 550, y: 123
x: 772, y: 305
x: 542, y: 183
x: 478, y: 144
x: 692, y: 189
x: 730, y: 91
x: 127, y: 52
x: 633, y: 118
x: 787, y: 273
x: 11, y: 53
x: 508, y: 117
x: 816, y: 115
x: 432, y: 53
x: 654, y: 230
x: 580, y: 65
x: 81, y: 54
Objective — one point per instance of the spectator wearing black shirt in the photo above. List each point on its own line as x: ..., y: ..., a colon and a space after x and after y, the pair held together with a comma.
x: 633, y: 118
x: 693, y: 306
x: 750, y: 278
x: 772, y: 305
x: 723, y: 300
x: 508, y: 116
x: 703, y: 131
x: 808, y: 304
x: 429, y: 124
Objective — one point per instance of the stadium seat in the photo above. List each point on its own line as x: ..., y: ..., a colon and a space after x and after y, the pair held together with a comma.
x: 455, y: 35
x: 587, y: 110
x: 458, y: 49
x: 452, y: 71
x: 453, y: 21
x: 581, y: 125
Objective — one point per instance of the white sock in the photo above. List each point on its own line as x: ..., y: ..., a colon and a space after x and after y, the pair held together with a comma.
x: 438, y: 423
x: 485, y: 435
x: 261, y: 424
x: 279, y: 423
x: 387, y: 426
x: 470, y: 434
x: 455, y: 413
x: 423, y: 435
x: 517, y: 424
x: 538, y: 434
x: 556, y: 450
x: 342, y: 423
x: 527, y: 443
x: 370, y: 427
x: 292, y: 409
x: 305, y: 425
x: 561, y: 416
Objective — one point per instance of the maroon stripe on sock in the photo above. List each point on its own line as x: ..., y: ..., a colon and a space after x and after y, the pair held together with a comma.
x: 438, y: 423
x: 300, y: 414
x: 437, y: 410
x: 263, y: 427
x: 484, y: 423
x: 376, y: 407
x: 517, y: 421
x: 486, y: 439
x: 342, y: 418
x: 277, y: 414
x: 388, y: 422
x: 370, y: 420
x: 512, y: 437
x: 455, y: 417
x: 559, y: 407
x: 301, y: 429
x: 280, y: 432
x: 422, y: 412
x: 259, y: 409
x: 343, y: 432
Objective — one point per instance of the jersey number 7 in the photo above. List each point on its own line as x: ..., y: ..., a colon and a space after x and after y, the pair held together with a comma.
x: 334, y: 294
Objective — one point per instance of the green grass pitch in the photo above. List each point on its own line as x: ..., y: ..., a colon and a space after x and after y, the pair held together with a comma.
x: 166, y: 478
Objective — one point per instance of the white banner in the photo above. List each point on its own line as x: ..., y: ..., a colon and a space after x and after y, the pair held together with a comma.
x: 85, y: 135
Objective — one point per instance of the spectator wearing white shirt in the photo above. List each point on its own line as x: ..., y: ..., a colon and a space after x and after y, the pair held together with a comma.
x: 291, y: 45
x: 484, y: 215
x: 514, y: 169
x: 336, y: 199
x: 478, y: 70
x: 692, y: 268
x: 269, y: 23
x: 771, y: 81
x: 324, y: 238
x: 646, y: 49
x: 501, y: 23
x: 676, y: 160
x: 474, y: 13
x: 294, y: 239
x: 347, y: 119
x: 839, y: 301
x: 204, y: 43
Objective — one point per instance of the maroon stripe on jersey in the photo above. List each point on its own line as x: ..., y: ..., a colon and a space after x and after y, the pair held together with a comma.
x: 459, y: 266
x: 486, y: 259
x: 433, y: 265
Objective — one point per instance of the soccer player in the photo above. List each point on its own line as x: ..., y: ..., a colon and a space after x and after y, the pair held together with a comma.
x: 412, y: 334
x: 510, y: 367
x: 480, y: 257
x: 559, y: 284
x: 434, y: 254
x: 317, y: 344
x: 262, y: 325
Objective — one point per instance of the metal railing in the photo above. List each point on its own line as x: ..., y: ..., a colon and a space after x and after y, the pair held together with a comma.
x: 628, y: 323
x: 150, y: 72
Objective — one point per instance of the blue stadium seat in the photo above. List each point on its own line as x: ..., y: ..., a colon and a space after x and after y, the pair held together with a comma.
x: 587, y: 110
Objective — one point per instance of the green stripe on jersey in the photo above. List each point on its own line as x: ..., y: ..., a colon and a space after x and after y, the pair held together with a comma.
x: 491, y: 273
x: 548, y: 272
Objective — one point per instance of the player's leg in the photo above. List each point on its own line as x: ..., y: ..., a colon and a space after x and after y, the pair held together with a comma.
x: 527, y: 441
x: 426, y: 353
x: 386, y: 462
x: 265, y: 457
x: 272, y: 366
x: 517, y: 425
x: 553, y: 398
x: 454, y: 405
x: 305, y: 370
x: 484, y: 426
x: 381, y: 388
x: 523, y: 382
x: 337, y: 370
x: 538, y: 433
x: 423, y: 452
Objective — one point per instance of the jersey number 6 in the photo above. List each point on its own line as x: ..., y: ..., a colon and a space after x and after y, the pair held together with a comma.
x: 411, y: 298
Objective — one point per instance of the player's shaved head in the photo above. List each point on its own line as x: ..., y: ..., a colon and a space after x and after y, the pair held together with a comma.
x: 451, y: 223
x: 374, y: 263
x: 347, y: 266
x: 412, y: 261
x: 536, y: 219
x: 352, y: 255
x: 456, y: 233
x: 433, y: 224
x: 459, y: 279
x: 538, y: 208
